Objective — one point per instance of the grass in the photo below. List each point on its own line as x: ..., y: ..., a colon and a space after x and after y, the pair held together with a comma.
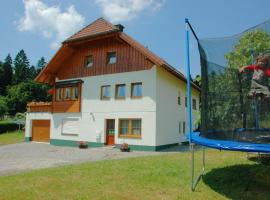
x: 11, y: 138
x: 229, y: 175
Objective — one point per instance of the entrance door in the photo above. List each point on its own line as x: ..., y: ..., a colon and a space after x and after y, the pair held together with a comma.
x: 110, y: 130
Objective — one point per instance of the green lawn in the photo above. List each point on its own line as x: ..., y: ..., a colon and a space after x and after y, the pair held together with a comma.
x: 229, y: 175
x: 11, y: 137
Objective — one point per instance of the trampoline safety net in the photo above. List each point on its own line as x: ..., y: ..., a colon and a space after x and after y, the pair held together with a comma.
x: 235, y: 97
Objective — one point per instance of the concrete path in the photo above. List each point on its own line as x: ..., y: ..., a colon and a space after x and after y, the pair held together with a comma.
x: 28, y: 156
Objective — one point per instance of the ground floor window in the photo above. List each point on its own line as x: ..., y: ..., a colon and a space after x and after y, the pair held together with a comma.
x: 130, y: 128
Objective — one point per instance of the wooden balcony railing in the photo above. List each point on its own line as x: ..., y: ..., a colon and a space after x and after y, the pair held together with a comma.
x: 39, y: 107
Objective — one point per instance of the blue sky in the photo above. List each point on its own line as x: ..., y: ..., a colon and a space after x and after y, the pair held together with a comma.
x: 38, y: 26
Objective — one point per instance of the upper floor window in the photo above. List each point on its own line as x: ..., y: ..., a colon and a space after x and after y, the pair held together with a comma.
x: 179, y: 99
x: 111, y: 57
x: 120, y: 91
x: 59, y: 94
x: 66, y: 93
x: 136, y: 90
x: 74, y: 93
x: 186, y: 101
x: 105, y: 92
x: 194, y: 104
x: 88, y: 61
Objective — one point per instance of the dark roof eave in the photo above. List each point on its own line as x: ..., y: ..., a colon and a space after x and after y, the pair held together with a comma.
x: 90, y: 36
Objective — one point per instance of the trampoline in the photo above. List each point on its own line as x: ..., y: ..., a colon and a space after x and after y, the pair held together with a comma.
x: 235, y: 93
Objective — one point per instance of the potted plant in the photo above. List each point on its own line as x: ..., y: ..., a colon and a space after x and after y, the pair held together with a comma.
x: 124, y: 147
x: 83, y: 145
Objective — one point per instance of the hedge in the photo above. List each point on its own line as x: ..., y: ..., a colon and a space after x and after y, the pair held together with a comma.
x: 8, y: 127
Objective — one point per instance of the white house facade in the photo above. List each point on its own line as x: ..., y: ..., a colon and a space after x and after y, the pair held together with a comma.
x: 109, y: 90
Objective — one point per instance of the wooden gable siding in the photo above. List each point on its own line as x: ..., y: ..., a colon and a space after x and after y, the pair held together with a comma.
x: 128, y: 59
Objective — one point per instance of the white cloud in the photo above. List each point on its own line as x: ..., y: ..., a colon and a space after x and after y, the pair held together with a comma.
x: 51, y: 22
x: 124, y: 10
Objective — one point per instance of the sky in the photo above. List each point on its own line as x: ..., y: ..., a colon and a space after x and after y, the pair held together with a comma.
x: 39, y: 26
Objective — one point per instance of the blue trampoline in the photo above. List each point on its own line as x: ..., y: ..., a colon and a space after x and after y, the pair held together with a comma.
x: 235, y: 92
x: 229, y: 144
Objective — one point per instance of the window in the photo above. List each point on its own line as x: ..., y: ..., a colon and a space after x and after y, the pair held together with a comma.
x: 105, y: 92
x: 74, y: 93
x: 70, y: 126
x: 186, y: 101
x: 179, y: 127
x: 67, y: 94
x: 70, y: 93
x: 120, y: 91
x: 179, y: 99
x: 130, y: 128
x: 194, y: 106
x: 184, y: 127
x: 59, y: 94
x: 88, y: 61
x: 136, y: 90
x: 111, y: 57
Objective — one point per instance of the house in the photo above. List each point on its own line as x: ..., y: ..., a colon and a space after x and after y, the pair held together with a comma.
x: 109, y: 89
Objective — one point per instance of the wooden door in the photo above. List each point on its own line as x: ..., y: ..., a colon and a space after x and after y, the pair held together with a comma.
x: 41, y: 130
x: 110, y: 131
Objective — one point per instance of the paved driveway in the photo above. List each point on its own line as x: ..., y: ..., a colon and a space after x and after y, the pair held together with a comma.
x: 27, y: 156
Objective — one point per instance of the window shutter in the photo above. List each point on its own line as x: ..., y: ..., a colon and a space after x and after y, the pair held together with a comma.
x: 70, y: 126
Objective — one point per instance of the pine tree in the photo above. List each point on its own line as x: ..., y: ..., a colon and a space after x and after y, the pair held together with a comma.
x: 41, y: 64
x: 32, y: 72
x: 21, y: 68
x: 6, y: 78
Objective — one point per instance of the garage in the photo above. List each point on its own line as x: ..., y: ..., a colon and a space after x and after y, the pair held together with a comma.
x: 41, y: 130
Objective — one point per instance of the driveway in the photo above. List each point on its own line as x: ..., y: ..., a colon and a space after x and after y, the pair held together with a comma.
x: 28, y: 156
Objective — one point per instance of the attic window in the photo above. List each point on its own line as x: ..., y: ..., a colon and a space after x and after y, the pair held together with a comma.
x: 111, y: 57
x: 89, y: 61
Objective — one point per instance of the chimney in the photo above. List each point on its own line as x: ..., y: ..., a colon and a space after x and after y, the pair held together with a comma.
x: 120, y: 27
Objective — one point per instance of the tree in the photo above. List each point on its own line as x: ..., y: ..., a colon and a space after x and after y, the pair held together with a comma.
x: 32, y: 73
x: 21, y: 68
x: 228, y: 106
x: 198, y: 80
x: 6, y: 74
x: 41, y: 64
x: 19, y: 95
x: 3, y: 106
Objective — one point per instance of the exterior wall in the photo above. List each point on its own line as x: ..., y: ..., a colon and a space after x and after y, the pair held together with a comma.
x: 169, y: 113
x: 94, y: 111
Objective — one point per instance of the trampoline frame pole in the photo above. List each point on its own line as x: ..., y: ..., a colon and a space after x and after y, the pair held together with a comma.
x: 194, y: 182
x: 188, y: 83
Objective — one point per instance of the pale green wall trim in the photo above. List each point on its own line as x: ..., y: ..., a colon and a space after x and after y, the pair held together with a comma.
x: 72, y: 143
x: 27, y: 139
x: 148, y: 148
x: 69, y: 143
x: 95, y: 144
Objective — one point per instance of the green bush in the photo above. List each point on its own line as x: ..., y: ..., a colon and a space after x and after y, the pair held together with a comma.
x: 8, y: 127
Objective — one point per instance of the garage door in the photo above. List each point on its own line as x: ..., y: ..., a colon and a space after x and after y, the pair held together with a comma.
x: 41, y: 130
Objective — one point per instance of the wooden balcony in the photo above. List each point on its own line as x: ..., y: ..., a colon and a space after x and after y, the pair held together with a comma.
x: 39, y: 107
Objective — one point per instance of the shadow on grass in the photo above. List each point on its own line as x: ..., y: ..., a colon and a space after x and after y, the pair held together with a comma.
x: 240, y: 181
x: 263, y: 159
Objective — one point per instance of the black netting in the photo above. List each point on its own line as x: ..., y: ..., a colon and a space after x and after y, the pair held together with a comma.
x: 235, y: 98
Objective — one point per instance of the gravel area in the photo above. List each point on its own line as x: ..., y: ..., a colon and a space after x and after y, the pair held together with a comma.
x: 19, y: 157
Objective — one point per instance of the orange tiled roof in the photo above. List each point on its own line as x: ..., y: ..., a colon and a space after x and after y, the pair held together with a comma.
x: 99, y: 26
